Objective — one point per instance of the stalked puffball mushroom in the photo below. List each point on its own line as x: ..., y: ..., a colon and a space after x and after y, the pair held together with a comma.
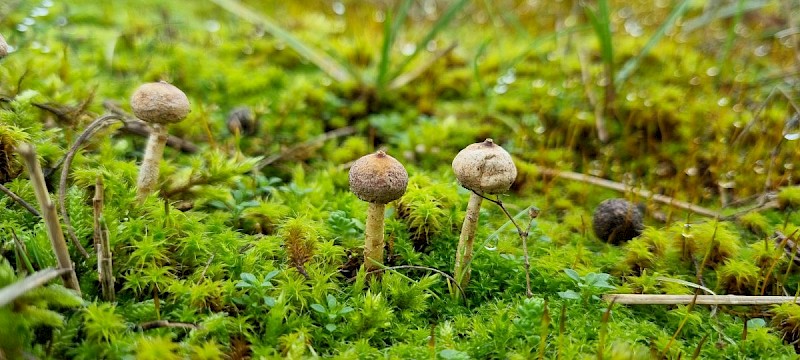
x: 617, y: 220
x: 377, y: 179
x: 3, y: 47
x: 485, y: 168
x: 158, y: 104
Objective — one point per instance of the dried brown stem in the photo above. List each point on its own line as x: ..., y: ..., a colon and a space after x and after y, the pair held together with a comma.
x: 20, y: 201
x: 92, y: 129
x: 789, y: 247
x: 28, y: 153
x: 101, y: 245
x: 657, y: 299
x: 608, y: 184
x: 164, y: 323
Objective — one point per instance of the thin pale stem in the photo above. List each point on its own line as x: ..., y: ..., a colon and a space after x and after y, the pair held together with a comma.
x: 654, y: 299
x: 50, y: 216
x: 373, y: 244
x: 466, y: 240
x: 101, y: 244
x: 148, y: 173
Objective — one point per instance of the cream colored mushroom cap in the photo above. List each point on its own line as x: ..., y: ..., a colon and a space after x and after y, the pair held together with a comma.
x: 160, y: 103
x: 485, y: 168
x: 378, y: 178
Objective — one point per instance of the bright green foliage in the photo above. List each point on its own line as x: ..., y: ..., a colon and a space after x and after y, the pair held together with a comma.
x: 244, y: 261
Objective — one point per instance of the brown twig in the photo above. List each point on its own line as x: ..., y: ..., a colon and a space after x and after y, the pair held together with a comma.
x: 789, y: 247
x: 93, y: 128
x: 101, y: 245
x: 608, y: 184
x: 28, y: 153
x: 20, y: 201
x: 523, y: 235
x: 657, y: 299
x: 164, y: 323
x: 344, y: 131
x: 140, y: 128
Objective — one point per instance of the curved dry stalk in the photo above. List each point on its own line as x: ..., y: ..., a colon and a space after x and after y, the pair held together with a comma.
x: 90, y: 130
x: 657, y: 299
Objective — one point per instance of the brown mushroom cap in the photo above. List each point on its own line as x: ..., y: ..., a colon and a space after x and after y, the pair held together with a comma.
x: 617, y: 220
x: 485, y: 168
x: 160, y: 103
x: 3, y: 47
x: 378, y: 178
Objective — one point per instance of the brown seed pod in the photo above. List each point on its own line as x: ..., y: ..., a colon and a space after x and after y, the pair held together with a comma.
x: 485, y: 168
x: 241, y: 120
x: 617, y: 220
x: 378, y: 178
x: 160, y: 103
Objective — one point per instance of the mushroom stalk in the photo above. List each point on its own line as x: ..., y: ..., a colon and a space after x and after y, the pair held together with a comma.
x: 466, y: 240
x: 373, y: 245
x: 148, y: 173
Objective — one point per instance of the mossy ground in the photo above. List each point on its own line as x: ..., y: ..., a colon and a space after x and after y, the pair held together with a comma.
x: 263, y: 262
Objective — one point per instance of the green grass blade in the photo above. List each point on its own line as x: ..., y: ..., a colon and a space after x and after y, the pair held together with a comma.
x: 390, y: 30
x: 315, y: 56
x: 631, y: 65
x: 440, y: 24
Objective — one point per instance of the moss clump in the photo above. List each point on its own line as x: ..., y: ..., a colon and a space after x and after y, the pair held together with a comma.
x: 789, y: 198
x: 738, y: 277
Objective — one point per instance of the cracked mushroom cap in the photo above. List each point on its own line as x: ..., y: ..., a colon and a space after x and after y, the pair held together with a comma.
x: 160, y: 103
x: 617, y: 220
x: 3, y: 47
x: 378, y: 178
x: 485, y: 168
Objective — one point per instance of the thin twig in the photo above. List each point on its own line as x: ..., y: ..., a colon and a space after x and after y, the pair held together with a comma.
x: 627, y: 189
x: 658, y: 299
x: 330, y: 135
x: 208, y: 263
x: 50, y: 215
x: 20, y: 201
x: 101, y: 244
x: 523, y: 235
x: 789, y: 247
x: 416, y: 267
x: 164, y: 323
x: 12, y: 292
x: 92, y: 129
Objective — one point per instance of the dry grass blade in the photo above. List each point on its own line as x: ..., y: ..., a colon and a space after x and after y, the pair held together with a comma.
x: 404, y: 79
x: 333, y: 134
x: 19, y: 288
x: 101, y: 244
x: 608, y: 184
x: 657, y: 299
x: 321, y: 60
x: 54, y: 232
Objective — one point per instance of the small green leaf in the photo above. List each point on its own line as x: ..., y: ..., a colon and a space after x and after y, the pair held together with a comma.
x: 269, y: 301
x: 573, y: 275
x: 569, y: 294
x: 330, y: 327
x: 318, y: 308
